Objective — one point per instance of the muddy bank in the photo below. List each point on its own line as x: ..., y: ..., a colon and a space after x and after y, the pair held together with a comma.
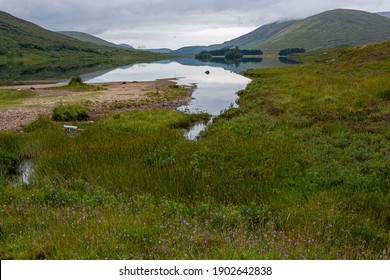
x: 110, y: 97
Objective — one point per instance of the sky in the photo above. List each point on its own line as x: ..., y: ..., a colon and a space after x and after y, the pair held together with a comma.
x: 172, y: 23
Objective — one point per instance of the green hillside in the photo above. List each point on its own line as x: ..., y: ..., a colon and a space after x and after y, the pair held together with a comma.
x: 260, y: 34
x: 85, y: 37
x: 330, y: 29
x: 23, y: 41
x: 29, y: 52
x: 325, y: 30
x: 248, y: 40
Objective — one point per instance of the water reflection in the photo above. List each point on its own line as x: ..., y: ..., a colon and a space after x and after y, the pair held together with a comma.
x: 13, y: 73
x: 235, y: 66
x: 286, y: 60
x: 217, y: 80
x: 234, y: 62
x: 25, y: 171
x: 215, y: 91
x: 195, y: 129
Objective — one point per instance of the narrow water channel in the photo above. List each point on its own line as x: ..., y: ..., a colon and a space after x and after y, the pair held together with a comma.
x: 25, y: 171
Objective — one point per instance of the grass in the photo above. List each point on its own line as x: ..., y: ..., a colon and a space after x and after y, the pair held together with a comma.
x: 13, y: 97
x: 169, y: 93
x: 300, y: 170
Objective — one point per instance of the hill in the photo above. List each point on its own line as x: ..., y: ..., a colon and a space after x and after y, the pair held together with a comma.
x: 126, y: 46
x: 330, y: 29
x: 191, y: 50
x: 162, y: 50
x: 248, y: 40
x: 324, y: 30
x: 23, y: 41
x: 85, y: 37
x: 259, y: 35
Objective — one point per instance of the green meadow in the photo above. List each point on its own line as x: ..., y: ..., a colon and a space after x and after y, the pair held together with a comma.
x: 300, y: 170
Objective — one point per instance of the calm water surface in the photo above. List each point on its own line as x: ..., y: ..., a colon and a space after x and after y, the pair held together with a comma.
x: 214, y: 92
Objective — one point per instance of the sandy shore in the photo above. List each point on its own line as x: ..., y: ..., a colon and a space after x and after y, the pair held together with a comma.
x: 113, y: 97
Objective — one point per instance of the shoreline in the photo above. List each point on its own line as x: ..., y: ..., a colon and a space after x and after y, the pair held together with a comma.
x: 110, y: 97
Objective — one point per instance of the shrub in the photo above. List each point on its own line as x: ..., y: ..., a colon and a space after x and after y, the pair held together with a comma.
x: 68, y: 113
x: 76, y: 81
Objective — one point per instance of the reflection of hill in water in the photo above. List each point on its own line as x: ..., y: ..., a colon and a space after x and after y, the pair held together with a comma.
x: 90, y: 76
x: 237, y: 62
x: 18, y: 73
x: 14, y: 73
x: 234, y: 66
x: 286, y: 60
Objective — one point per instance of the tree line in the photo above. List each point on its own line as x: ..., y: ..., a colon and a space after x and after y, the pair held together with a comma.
x: 236, y: 53
x: 227, y: 53
x: 288, y: 51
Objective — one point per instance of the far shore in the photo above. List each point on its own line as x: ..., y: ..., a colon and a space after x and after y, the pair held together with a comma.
x: 110, y: 98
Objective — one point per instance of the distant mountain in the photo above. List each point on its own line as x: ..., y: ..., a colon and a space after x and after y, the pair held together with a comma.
x: 190, y: 50
x: 325, y: 30
x: 127, y: 46
x: 85, y: 37
x: 163, y: 50
x: 81, y: 36
x: 384, y: 14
